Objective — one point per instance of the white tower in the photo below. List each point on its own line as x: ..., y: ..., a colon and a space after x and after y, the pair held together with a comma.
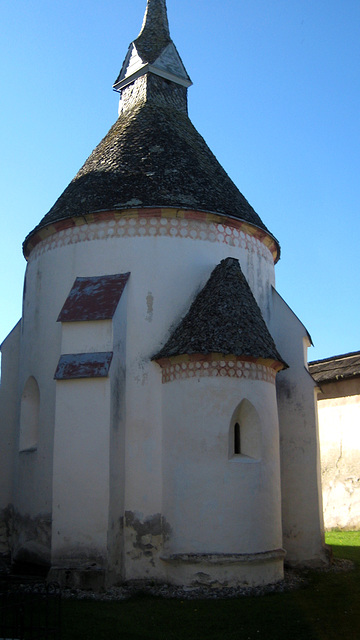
x: 147, y: 423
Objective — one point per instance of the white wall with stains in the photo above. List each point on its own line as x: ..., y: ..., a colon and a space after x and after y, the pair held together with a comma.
x: 133, y: 471
x: 9, y: 418
x: 339, y: 423
x: 302, y: 516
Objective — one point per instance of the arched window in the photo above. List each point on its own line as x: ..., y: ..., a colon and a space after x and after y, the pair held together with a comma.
x: 245, y: 432
x: 29, y: 415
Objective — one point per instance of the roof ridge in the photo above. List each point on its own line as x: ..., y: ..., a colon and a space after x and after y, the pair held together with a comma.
x: 334, y: 358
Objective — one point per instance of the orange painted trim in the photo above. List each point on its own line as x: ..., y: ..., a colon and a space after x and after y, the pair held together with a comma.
x: 275, y: 365
x: 215, y: 365
x: 186, y: 214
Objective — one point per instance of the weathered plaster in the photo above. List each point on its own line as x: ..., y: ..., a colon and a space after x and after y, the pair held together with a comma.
x: 81, y: 462
x: 302, y: 517
x: 127, y: 443
x: 9, y: 417
x: 225, y: 569
x: 31, y: 538
x: 340, y: 455
x: 6, y: 527
x: 145, y: 539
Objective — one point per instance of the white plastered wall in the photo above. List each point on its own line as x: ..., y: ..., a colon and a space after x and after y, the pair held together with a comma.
x: 81, y: 453
x: 166, y: 274
x: 339, y: 423
x: 217, y: 503
x: 9, y: 414
x: 302, y: 516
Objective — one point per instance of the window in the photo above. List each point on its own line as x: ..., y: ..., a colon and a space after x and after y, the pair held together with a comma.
x: 245, y: 432
x: 237, y: 441
x: 29, y: 416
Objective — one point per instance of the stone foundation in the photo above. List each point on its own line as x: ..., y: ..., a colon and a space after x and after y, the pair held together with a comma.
x: 31, y: 539
x: 226, y: 570
x: 6, y: 525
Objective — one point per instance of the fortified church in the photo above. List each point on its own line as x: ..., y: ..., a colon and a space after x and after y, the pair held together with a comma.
x: 157, y: 415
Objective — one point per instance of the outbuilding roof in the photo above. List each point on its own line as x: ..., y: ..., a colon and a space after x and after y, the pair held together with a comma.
x: 224, y: 318
x: 336, y: 368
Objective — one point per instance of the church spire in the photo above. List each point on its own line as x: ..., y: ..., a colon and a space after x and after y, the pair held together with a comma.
x: 153, y: 52
x: 155, y: 34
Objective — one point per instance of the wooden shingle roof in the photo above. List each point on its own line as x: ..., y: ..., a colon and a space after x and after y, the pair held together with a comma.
x: 336, y: 368
x: 155, y: 33
x: 224, y: 318
x: 152, y: 157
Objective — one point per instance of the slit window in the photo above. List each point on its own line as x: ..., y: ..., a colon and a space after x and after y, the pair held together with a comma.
x: 237, y: 442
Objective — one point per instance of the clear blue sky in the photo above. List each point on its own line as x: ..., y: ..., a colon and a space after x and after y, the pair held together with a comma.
x: 276, y: 96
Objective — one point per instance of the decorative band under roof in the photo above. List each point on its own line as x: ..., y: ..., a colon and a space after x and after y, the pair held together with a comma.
x: 42, y: 233
x: 216, y: 365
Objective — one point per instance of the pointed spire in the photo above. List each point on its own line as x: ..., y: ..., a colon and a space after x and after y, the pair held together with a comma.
x: 153, y: 51
x: 155, y: 34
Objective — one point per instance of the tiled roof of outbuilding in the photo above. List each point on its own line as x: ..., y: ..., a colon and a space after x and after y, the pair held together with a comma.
x: 224, y: 318
x: 152, y: 157
x: 336, y: 368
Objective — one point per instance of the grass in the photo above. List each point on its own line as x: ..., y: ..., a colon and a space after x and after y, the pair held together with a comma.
x: 326, y: 608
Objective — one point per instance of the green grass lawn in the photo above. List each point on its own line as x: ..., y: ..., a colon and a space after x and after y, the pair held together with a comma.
x: 326, y: 608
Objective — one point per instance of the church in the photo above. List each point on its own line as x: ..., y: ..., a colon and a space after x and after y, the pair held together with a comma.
x: 157, y: 417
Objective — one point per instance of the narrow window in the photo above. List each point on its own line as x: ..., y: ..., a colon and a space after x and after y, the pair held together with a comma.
x: 237, y: 447
x: 245, y: 432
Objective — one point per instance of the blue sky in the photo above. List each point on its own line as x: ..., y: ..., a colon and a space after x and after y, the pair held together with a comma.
x: 276, y: 96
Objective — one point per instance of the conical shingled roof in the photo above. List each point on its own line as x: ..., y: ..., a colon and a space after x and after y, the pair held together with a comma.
x: 224, y: 318
x: 152, y: 156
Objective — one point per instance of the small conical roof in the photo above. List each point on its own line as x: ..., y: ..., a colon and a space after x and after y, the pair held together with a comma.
x: 224, y: 318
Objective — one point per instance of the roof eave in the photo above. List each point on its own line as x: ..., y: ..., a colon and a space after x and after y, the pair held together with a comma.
x: 151, y: 68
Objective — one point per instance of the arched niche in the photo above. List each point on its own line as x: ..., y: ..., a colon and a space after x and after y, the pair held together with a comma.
x: 245, y: 432
x: 29, y: 415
